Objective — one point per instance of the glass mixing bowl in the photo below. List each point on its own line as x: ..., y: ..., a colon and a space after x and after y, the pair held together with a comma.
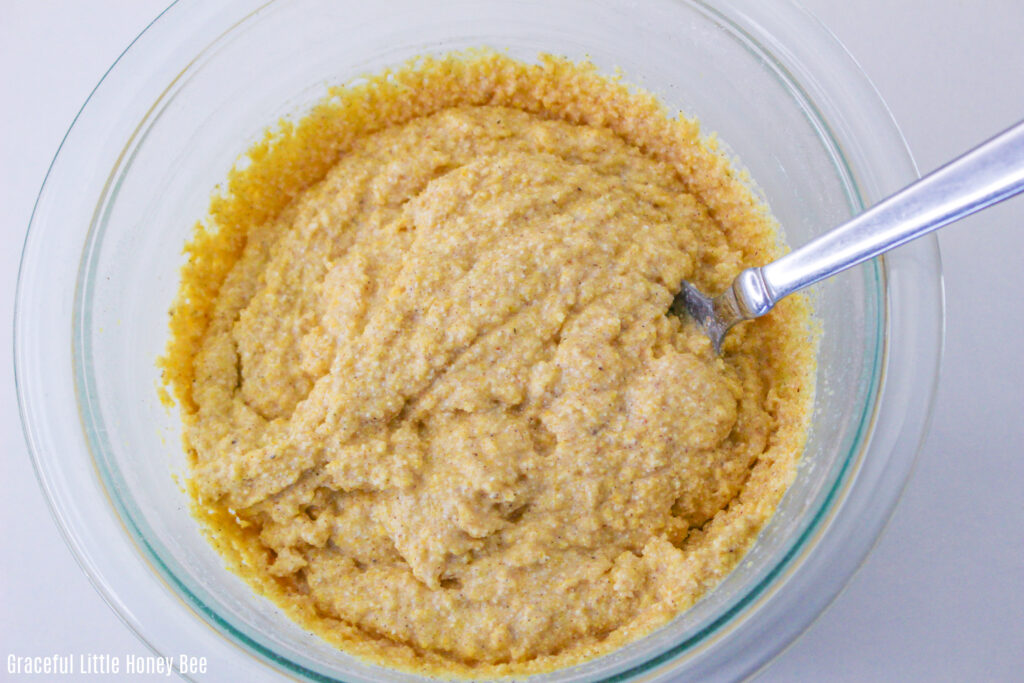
x: 199, y: 86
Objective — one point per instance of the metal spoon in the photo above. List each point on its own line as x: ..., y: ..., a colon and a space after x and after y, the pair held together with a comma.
x: 986, y: 175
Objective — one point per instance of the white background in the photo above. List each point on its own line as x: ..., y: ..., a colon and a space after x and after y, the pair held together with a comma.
x: 942, y: 596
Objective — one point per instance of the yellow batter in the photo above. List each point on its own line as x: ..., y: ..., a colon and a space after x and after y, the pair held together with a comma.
x: 434, y: 405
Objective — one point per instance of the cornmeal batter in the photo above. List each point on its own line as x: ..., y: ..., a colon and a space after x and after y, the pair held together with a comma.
x: 434, y: 405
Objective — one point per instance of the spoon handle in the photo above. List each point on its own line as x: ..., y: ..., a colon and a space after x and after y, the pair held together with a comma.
x: 989, y: 173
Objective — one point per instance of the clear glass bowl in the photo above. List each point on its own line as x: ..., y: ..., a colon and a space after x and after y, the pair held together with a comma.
x: 100, y: 269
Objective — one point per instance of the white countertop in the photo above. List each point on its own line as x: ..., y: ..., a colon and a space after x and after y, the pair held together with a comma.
x: 941, y: 598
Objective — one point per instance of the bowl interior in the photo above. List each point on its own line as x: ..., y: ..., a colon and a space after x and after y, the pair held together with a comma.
x: 275, y: 63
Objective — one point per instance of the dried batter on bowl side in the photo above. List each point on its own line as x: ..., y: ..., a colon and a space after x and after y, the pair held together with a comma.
x: 433, y: 403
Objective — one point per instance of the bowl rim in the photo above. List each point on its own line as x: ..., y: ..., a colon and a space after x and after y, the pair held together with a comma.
x: 32, y: 418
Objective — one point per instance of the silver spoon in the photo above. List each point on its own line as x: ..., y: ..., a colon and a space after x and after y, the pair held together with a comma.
x: 986, y: 175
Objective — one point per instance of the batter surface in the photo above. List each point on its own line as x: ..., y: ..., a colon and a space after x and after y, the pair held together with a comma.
x: 433, y: 402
